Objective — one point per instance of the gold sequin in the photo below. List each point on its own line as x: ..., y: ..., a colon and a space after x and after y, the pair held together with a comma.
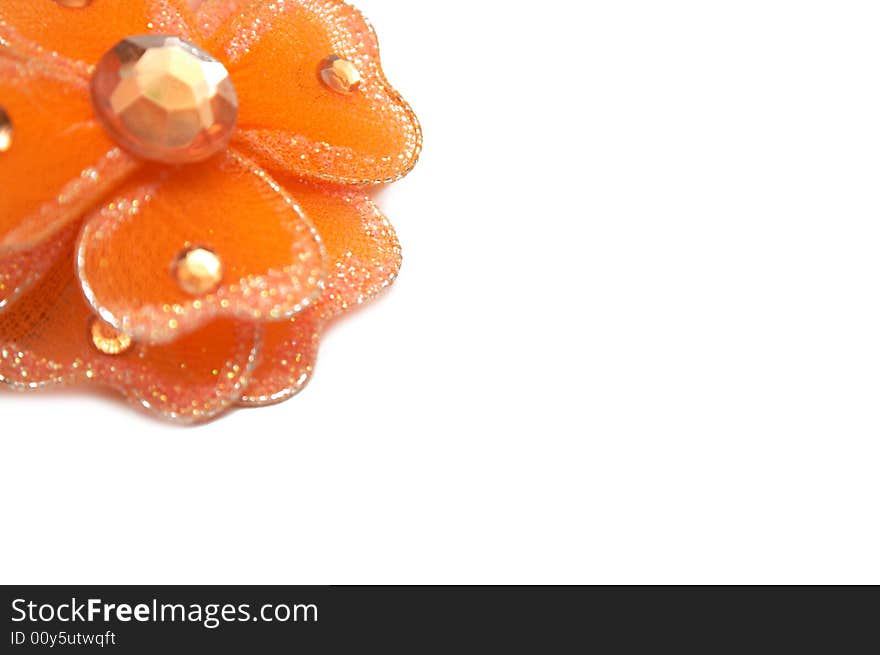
x: 108, y: 339
x: 340, y: 75
x: 198, y: 271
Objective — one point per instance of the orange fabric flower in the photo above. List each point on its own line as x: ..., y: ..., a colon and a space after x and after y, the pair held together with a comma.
x: 90, y: 232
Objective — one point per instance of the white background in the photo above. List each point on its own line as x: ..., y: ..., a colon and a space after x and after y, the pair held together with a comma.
x: 636, y: 338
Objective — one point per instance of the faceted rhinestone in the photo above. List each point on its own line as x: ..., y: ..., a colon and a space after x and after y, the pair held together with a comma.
x: 107, y: 339
x: 340, y: 74
x: 5, y: 131
x: 164, y: 99
x: 198, y: 271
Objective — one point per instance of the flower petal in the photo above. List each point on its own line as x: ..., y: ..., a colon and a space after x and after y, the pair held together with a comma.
x: 272, y: 257
x: 86, y: 33
x: 364, y: 258
x: 59, y: 161
x: 287, y: 360
x: 43, y: 336
x: 363, y: 252
x: 44, y: 342
x: 21, y: 270
x: 198, y: 376
x: 290, y: 120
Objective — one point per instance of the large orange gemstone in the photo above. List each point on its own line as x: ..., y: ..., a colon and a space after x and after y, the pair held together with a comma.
x: 164, y: 99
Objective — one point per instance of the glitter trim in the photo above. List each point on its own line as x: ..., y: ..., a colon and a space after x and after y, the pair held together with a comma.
x: 353, y: 38
x: 292, y: 350
x: 365, y: 259
x: 275, y: 294
x: 142, y: 385
x: 254, y: 341
x: 153, y: 394
x: 15, y: 46
x: 76, y: 197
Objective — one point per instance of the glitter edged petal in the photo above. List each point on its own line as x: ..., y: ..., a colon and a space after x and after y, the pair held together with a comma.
x: 272, y: 256
x: 364, y: 258
x: 197, y: 377
x: 288, y: 358
x: 35, y: 27
x: 363, y: 252
x: 54, y: 140
x: 289, y: 119
x: 45, y: 342
x: 19, y: 271
x: 44, y: 336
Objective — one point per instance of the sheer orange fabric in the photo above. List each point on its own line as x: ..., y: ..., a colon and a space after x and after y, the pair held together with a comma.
x: 60, y: 160
x: 273, y: 257
x: 85, y: 34
x: 19, y: 271
x: 45, y: 333
x: 45, y: 343
x: 289, y: 120
x: 363, y: 259
x: 90, y: 234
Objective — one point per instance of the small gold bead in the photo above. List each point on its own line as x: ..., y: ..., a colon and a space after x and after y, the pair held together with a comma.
x: 74, y: 3
x: 107, y: 339
x: 5, y: 131
x: 198, y: 271
x: 340, y: 74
